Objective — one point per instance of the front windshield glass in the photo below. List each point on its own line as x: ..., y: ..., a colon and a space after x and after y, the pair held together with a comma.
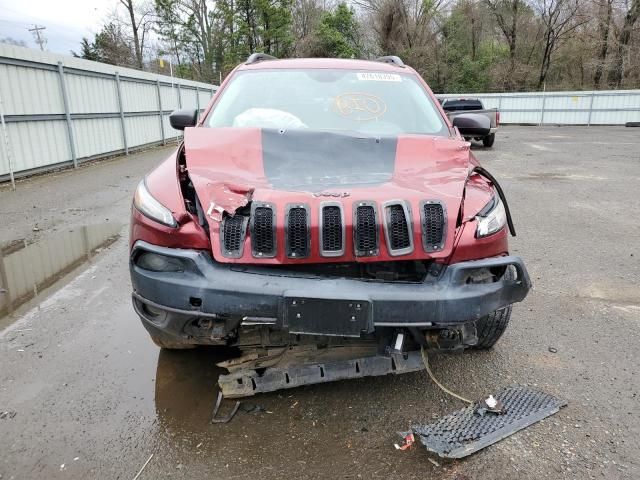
x: 374, y: 103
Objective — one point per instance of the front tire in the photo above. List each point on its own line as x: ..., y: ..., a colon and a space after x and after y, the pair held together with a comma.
x: 491, y: 327
x: 488, y: 140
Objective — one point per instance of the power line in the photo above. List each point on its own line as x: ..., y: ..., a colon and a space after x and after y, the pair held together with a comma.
x: 40, y: 40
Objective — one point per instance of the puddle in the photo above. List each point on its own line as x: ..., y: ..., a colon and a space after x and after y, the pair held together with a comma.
x: 26, y: 269
x: 194, y: 374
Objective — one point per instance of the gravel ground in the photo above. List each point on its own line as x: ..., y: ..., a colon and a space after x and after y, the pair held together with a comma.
x: 87, y: 395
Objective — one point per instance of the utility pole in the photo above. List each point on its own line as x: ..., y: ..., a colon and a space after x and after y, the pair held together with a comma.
x: 40, y: 40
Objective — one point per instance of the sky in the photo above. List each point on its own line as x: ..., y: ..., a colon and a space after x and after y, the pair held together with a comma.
x: 66, y: 21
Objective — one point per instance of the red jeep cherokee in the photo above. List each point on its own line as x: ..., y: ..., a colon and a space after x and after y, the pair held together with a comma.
x: 324, y: 202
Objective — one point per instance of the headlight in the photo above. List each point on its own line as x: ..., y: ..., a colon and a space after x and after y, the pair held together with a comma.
x: 151, y: 207
x: 493, y: 221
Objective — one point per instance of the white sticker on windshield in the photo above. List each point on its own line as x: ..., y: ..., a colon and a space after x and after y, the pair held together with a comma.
x: 379, y: 77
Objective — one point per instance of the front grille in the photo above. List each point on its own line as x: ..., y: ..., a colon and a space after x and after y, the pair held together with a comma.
x: 297, y: 233
x: 233, y: 232
x: 398, y: 232
x: 332, y: 230
x: 262, y: 232
x: 433, y: 227
x: 366, y: 231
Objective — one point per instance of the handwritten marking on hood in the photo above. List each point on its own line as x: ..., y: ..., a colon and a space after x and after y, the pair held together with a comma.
x: 331, y: 194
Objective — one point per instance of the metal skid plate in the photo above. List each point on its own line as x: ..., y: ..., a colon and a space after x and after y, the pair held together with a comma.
x: 467, y: 431
x: 248, y: 382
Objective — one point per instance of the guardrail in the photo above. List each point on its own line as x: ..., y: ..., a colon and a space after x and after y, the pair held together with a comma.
x: 605, y: 107
x: 58, y: 111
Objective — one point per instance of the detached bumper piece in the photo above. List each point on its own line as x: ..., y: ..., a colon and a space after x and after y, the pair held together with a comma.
x: 245, y: 383
x: 468, y: 430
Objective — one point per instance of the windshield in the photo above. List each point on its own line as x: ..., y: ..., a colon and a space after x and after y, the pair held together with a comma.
x: 374, y: 103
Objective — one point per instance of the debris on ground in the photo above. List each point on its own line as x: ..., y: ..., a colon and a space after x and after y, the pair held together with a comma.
x: 486, y: 422
x: 252, y: 408
x: 407, y: 442
x: 216, y: 408
x: 490, y: 405
x: 293, y: 367
x: 143, y: 467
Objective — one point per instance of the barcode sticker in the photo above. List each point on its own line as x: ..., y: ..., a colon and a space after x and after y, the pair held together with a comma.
x: 379, y: 77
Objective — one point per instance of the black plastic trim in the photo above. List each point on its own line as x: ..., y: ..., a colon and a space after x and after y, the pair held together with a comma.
x: 243, y: 235
x: 254, y: 252
x: 408, y: 217
x: 430, y: 248
x: 331, y: 253
x: 287, y: 247
x: 254, y: 291
x: 365, y: 253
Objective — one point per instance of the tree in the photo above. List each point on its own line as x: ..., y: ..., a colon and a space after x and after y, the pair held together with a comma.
x: 111, y: 45
x: 139, y: 22
x: 616, y: 74
x: 13, y: 41
x: 337, y: 34
x: 559, y: 18
x: 604, y: 27
x: 507, y: 14
x: 88, y: 51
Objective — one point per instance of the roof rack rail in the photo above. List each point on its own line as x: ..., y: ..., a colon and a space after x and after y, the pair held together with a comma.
x: 392, y: 59
x: 258, y: 57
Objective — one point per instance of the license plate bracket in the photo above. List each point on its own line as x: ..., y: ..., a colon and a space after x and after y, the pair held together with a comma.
x: 322, y: 316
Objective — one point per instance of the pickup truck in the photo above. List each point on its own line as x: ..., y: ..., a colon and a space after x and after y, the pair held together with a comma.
x: 457, y: 106
x: 336, y: 215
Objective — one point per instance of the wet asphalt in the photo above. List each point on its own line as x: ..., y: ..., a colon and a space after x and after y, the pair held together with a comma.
x: 85, y: 394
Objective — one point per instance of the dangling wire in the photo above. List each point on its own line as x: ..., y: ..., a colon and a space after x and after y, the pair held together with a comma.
x: 425, y: 360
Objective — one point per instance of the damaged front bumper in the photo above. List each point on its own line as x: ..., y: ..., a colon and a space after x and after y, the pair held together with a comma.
x: 192, y: 299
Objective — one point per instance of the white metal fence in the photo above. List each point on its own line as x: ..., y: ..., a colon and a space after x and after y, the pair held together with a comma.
x: 606, y: 107
x: 58, y: 110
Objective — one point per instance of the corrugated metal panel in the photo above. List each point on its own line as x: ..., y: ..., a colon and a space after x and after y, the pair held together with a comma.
x: 33, y: 105
x: 613, y: 107
x: 91, y: 94
x: 142, y: 130
x: 26, y: 91
x: 189, y: 98
x: 98, y: 135
x: 37, y: 144
x: 138, y: 97
x: 205, y: 97
x: 169, y: 97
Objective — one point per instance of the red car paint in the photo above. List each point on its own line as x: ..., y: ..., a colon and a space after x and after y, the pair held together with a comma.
x: 238, y: 162
x: 237, y: 174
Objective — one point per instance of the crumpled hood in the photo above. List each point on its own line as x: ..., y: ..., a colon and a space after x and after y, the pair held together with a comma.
x: 231, y: 167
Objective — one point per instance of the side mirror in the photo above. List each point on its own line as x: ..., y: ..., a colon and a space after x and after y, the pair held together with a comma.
x: 180, y: 119
x: 472, y: 124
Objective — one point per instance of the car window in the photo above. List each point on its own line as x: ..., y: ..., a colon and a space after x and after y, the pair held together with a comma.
x: 461, y: 105
x: 376, y: 103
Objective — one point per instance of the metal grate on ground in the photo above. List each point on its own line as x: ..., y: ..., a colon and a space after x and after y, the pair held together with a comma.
x: 467, y: 431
